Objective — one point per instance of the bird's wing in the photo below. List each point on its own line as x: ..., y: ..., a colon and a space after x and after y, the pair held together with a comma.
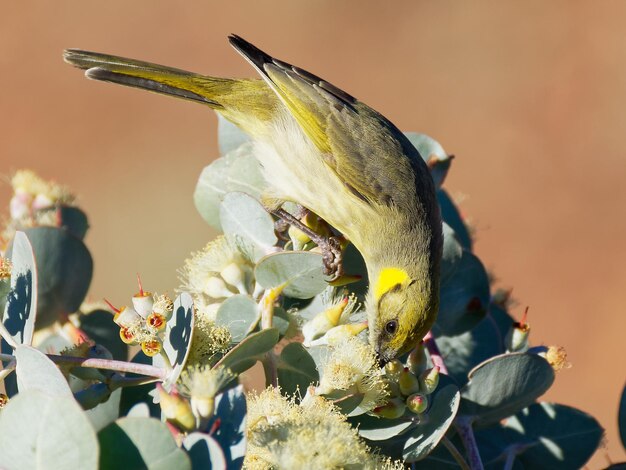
x: 367, y: 152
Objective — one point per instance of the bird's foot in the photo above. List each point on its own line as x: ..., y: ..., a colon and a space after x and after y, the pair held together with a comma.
x: 332, y: 255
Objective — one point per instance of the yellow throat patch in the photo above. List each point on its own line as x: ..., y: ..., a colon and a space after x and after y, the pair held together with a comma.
x: 388, y: 279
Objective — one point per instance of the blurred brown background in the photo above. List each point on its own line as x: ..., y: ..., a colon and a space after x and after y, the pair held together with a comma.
x: 530, y: 97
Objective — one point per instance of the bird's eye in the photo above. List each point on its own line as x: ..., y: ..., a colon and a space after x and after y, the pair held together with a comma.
x: 391, y: 327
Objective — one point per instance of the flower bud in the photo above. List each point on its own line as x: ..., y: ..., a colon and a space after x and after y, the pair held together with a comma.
x: 321, y: 323
x: 151, y: 348
x: 176, y: 409
x: 339, y: 334
x: 42, y: 201
x: 235, y: 276
x: 393, y: 369
x: 142, y: 303
x: 20, y: 205
x: 408, y: 382
x: 417, y: 403
x: 216, y: 288
x: 429, y: 379
x: 126, y: 317
x: 298, y: 237
x: 393, y: 409
x: 203, y: 407
x: 516, y: 339
x: 416, y: 359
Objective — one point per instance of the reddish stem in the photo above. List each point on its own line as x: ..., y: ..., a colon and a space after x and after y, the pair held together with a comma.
x: 435, y: 354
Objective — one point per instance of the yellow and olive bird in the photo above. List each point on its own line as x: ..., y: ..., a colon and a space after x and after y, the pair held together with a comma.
x: 334, y: 155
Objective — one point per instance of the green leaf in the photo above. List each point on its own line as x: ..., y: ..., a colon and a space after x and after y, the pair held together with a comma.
x: 238, y: 313
x: 20, y: 310
x: 247, y: 225
x: 140, y: 443
x: 427, y: 434
x: 555, y: 436
x: 433, y: 154
x: 249, y: 351
x: 46, y: 432
x: 239, y: 170
x: 36, y: 372
x: 64, y: 270
x: 70, y: 218
x: 281, y: 321
x: 452, y: 253
x: 204, y: 452
x: 505, y: 384
x: 99, y: 326
x: 105, y: 413
x: 178, y: 333
x: 374, y: 428
x: 296, y: 369
x: 354, y: 265
x: 465, y: 351
x: 622, y: 418
x: 140, y: 410
x: 229, y: 136
x: 301, y: 271
x: 464, y: 297
x: 451, y: 215
x: 230, y: 432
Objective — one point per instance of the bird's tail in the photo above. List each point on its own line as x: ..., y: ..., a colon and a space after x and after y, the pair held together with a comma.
x: 152, y: 77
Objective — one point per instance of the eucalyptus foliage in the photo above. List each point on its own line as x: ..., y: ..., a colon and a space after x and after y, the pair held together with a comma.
x: 468, y: 396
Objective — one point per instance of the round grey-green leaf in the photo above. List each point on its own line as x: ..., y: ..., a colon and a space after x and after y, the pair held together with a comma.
x: 20, y: 310
x: 249, y: 351
x: 452, y: 253
x: 374, y: 428
x: 229, y: 136
x: 426, y: 435
x: 178, y: 333
x: 247, y: 225
x: 296, y: 369
x: 238, y: 313
x: 45, y: 432
x: 36, y: 372
x: 140, y: 443
x: 464, y: 297
x: 504, y: 385
x: 239, y: 170
x: 433, y: 154
x: 555, y: 436
x: 204, y: 451
x: 622, y: 418
x: 64, y: 270
x: 451, y: 215
x: 300, y: 271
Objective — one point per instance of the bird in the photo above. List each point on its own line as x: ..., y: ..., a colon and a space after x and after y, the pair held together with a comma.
x: 332, y: 154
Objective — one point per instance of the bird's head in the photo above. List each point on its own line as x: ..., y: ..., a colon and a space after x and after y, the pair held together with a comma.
x: 401, y: 310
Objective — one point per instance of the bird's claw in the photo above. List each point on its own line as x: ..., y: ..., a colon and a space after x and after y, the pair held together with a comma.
x: 332, y: 258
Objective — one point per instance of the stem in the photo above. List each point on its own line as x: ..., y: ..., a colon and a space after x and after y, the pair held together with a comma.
x: 109, y: 364
x: 463, y: 426
x: 269, y: 367
x: 455, y: 453
x: 7, y: 370
x: 510, y: 460
x: 7, y: 336
x: 120, y: 381
x: 435, y: 354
